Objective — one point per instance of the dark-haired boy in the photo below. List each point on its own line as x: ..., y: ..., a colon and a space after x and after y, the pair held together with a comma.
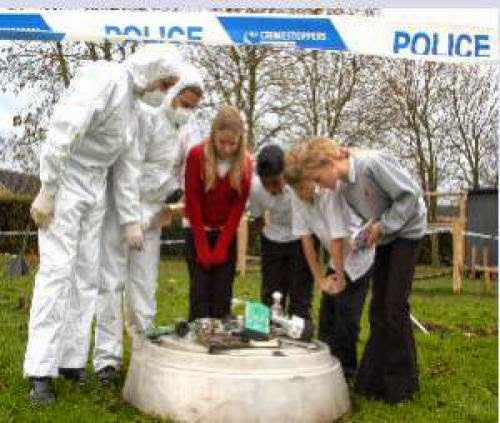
x: 283, y: 265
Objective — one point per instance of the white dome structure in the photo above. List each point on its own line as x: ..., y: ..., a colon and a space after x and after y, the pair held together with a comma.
x: 178, y: 380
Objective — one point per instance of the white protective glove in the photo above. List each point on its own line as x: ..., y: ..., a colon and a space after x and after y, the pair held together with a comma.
x: 134, y: 236
x: 42, y: 208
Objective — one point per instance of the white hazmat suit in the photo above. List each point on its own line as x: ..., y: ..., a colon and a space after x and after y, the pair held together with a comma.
x: 92, y: 129
x: 133, y: 271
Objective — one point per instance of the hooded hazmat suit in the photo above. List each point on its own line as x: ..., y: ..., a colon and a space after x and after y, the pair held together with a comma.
x: 93, y: 128
x: 133, y: 271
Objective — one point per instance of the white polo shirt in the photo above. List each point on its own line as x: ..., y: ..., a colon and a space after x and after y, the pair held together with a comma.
x: 279, y: 227
x: 329, y: 217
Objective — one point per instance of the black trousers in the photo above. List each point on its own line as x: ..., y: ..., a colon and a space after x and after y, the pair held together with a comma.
x: 339, y: 318
x: 388, y: 369
x: 284, y: 268
x: 188, y: 246
x: 210, y: 290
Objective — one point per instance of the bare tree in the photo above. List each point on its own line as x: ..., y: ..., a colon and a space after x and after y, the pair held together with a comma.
x: 249, y: 78
x: 472, y: 94
x: 324, y: 85
x: 414, y: 92
x: 39, y: 71
x: 412, y: 98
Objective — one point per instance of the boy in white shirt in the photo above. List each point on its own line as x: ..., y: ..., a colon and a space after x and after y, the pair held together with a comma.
x: 321, y: 212
x: 284, y: 267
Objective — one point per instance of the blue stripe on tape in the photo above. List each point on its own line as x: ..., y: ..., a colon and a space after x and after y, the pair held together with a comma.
x: 26, y: 26
x: 309, y: 33
x: 31, y: 35
x: 23, y: 21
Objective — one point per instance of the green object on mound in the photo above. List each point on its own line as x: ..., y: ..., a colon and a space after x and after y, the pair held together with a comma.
x: 156, y: 332
x: 257, y: 318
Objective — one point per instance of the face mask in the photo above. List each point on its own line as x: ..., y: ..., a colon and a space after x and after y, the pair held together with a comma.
x: 178, y: 116
x: 182, y: 115
x: 153, y: 98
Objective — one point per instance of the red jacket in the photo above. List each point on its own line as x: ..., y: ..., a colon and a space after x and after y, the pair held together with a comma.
x: 219, y: 208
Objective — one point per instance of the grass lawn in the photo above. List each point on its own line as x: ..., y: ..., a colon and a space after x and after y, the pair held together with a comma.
x: 458, y: 360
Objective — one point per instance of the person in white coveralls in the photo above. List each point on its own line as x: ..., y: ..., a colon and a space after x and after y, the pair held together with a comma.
x: 126, y: 269
x: 92, y: 130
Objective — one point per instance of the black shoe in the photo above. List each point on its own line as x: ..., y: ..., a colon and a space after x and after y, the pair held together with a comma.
x: 77, y: 375
x: 107, y: 375
x: 41, y: 391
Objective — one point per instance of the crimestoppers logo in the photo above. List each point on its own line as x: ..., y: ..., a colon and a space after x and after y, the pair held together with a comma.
x: 283, y: 37
x: 251, y: 37
x: 309, y: 33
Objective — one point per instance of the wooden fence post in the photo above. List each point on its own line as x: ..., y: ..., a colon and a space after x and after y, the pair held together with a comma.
x: 242, y: 246
x: 457, y: 256
x: 486, y: 270
x: 463, y: 205
x: 463, y: 221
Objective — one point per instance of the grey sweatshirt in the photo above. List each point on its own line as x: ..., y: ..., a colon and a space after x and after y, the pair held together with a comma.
x: 380, y: 189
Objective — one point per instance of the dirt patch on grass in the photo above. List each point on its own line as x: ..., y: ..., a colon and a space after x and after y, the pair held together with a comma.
x: 471, y: 331
x: 439, y: 369
x: 436, y: 328
x: 466, y: 330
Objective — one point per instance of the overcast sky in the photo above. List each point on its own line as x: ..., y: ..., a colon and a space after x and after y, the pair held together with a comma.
x: 9, y: 105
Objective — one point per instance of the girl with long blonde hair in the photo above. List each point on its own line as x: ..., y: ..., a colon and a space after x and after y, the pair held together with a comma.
x: 217, y: 185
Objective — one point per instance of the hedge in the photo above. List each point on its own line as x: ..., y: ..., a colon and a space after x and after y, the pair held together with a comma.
x: 15, y: 216
x: 175, y: 232
x: 445, y: 249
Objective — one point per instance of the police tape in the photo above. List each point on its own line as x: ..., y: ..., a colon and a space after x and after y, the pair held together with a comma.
x: 18, y: 233
x: 5, y: 234
x: 172, y: 242
x: 479, y: 235
x: 468, y: 36
x: 429, y: 231
x: 469, y: 234
x: 444, y: 229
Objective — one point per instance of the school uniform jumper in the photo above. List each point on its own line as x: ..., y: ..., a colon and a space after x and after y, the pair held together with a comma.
x: 379, y: 188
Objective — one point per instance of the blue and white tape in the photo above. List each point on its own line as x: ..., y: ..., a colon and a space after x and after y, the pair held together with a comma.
x: 26, y: 26
x: 310, y: 33
x: 462, y: 36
